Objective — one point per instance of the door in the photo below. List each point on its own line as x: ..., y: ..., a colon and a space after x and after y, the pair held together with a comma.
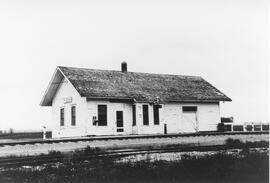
x: 189, y: 122
x: 119, y: 121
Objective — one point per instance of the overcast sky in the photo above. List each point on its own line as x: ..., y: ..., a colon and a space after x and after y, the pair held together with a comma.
x: 224, y: 41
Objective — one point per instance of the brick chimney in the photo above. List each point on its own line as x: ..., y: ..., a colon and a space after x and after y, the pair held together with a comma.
x: 124, y: 66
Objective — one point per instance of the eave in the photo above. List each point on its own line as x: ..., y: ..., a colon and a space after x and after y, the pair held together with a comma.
x: 52, y: 88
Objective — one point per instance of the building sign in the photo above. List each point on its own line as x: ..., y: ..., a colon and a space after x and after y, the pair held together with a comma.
x: 67, y: 100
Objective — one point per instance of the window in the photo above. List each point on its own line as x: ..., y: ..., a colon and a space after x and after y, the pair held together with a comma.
x: 102, y: 115
x: 145, y: 115
x: 119, y: 121
x: 156, y: 114
x: 73, y: 115
x: 189, y: 108
x: 62, y: 117
x: 134, y: 115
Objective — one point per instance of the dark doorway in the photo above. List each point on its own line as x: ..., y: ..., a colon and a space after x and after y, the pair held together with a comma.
x: 119, y: 121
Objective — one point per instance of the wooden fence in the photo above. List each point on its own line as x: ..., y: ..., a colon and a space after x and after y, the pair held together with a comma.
x: 250, y: 126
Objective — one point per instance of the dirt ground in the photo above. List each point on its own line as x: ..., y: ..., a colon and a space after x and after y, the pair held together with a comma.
x: 36, y: 149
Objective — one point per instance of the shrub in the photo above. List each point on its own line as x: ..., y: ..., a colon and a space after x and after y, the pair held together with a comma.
x: 233, y: 142
x: 53, y: 153
x: 236, y: 143
x: 89, y: 150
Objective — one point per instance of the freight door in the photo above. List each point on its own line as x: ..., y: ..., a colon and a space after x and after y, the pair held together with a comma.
x: 189, y: 122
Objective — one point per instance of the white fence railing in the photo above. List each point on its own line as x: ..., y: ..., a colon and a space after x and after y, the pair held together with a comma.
x: 248, y: 126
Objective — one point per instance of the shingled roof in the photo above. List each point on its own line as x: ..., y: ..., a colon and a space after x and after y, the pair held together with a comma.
x: 93, y: 83
x: 140, y: 87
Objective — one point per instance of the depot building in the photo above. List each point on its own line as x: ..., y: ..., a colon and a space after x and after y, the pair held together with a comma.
x: 106, y: 102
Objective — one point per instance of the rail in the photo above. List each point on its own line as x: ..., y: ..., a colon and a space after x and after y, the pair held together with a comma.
x: 100, y: 138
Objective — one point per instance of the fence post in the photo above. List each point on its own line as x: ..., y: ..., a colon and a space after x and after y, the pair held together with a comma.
x: 44, y: 132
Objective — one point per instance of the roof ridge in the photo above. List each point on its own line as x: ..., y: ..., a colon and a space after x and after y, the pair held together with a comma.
x: 193, y: 76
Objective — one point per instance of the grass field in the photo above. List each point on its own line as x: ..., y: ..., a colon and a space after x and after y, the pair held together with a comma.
x: 245, y: 166
x: 25, y: 135
x: 252, y: 167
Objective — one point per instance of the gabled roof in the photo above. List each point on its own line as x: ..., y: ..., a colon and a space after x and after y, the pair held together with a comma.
x: 141, y: 87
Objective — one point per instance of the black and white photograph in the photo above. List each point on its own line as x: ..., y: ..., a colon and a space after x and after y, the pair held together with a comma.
x: 119, y: 91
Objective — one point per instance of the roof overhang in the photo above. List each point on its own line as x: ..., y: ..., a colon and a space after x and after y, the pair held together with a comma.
x: 52, y: 88
x: 112, y: 99
x: 198, y: 101
x: 132, y: 100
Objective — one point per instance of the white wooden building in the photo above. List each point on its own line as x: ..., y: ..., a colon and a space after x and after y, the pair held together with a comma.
x: 105, y: 102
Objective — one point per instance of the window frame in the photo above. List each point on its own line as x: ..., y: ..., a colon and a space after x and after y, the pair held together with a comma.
x: 133, y: 115
x: 145, y: 111
x: 62, y: 116
x: 105, y: 122
x: 156, y: 116
x: 73, y: 115
x: 189, y: 108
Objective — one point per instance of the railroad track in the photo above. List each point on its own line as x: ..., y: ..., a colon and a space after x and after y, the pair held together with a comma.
x: 100, y: 138
x: 119, y: 153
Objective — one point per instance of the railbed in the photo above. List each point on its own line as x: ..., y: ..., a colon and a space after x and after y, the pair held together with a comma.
x: 124, y: 137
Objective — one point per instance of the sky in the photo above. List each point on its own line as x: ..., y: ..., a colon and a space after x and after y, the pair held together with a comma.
x: 224, y: 41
